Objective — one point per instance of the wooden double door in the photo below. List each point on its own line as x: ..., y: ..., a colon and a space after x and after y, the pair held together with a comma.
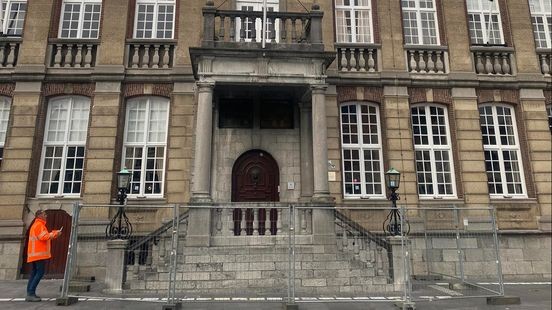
x: 255, y: 178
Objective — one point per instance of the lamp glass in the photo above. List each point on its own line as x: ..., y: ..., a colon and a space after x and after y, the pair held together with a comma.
x: 392, y: 178
x: 123, y: 179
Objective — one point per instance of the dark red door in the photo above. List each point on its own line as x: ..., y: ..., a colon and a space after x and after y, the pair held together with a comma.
x: 255, y: 178
x: 55, y: 267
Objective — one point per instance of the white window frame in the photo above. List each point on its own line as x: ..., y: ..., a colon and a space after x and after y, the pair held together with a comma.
x: 542, y: 9
x: 500, y: 148
x: 144, y: 143
x: 7, y: 19
x: 482, y: 12
x: 356, y: 34
x: 418, y: 11
x: 5, y: 106
x: 156, y: 4
x: 360, y: 146
x: 432, y: 148
x: 81, y: 21
x: 65, y: 142
x: 257, y: 5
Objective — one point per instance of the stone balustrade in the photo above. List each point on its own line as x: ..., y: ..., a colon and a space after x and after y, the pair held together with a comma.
x: 9, y: 50
x: 146, y: 54
x: 72, y: 53
x: 545, y: 60
x: 427, y: 59
x: 493, y: 60
x: 358, y: 57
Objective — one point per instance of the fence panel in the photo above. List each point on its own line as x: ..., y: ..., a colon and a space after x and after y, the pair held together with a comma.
x: 454, y: 253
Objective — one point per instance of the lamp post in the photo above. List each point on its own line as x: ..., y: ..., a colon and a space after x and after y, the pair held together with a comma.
x: 119, y: 227
x: 392, y: 224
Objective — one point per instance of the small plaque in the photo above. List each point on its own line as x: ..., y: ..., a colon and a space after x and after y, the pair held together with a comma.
x: 291, y: 185
x: 331, y: 176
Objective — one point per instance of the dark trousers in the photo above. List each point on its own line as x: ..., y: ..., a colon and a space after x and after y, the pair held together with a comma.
x: 36, y: 276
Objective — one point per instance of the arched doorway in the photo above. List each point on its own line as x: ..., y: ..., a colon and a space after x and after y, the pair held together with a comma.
x: 255, y: 178
x: 55, y: 267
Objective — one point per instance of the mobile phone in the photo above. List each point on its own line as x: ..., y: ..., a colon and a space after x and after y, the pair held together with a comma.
x: 61, y: 228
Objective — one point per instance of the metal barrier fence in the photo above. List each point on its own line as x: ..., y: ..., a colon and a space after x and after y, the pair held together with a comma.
x: 275, y: 252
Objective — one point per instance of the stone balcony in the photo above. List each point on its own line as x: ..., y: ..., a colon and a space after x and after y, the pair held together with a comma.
x: 427, y: 59
x: 493, y: 60
x: 290, y: 30
x: 72, y: 53
x: 9, y: 51
x: 149, y: 54
x: 358, y: 58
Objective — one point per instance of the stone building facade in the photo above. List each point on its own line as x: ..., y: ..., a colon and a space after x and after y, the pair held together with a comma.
x: 462, y: 108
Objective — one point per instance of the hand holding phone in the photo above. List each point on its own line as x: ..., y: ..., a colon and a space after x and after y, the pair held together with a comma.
x: 61, y: 228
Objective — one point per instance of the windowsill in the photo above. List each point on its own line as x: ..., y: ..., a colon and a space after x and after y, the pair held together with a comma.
x: 56, y: 197
x: 425, y: 47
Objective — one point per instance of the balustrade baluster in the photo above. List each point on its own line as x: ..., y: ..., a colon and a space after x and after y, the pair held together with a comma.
x: 430, y: 62
x: 3, y: 56
x: 497, y: 65
x: 439, y: 64
x: 283, y: 31
x: 155, y: 61
x: 488, y: 64
x: 218, y: 225
x: 412, y: 61
x: 146, y: 57
x: 231, y: 221
x: 242, y: 28
x: 421, y: 62
x: 166, y: 59
x: 135, y: 55
x: 232, y: 29
x: 149, y: 251
x: 479, y: 63
x: 68, y: 58
x: 343, y: 62
x: 243, y: 221
x: 256, y: 221
x: 505, y: 63
x: 78, y: 57
x: 254, y: 29
x: 303, y: 30
x: 303, y: 214
x: 379, y: 261
x: 371, y: 61
x: 11, y: 55
x: 273, y: 31
x: 361, y: 60
x: 356, y: 246
x: 136, y: 265
x: 57, y: 57
x: 267, y: 222
x: 353, y: 60
x: 545, y: 66
x: 221, y: 28
x: 344, y: 239
x: 293, y: 30
x: 88, y: 56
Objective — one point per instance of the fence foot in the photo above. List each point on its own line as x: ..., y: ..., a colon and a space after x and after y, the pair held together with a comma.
x: 66, y: 301
x: 290, y: 306
x: 172, y: 306
x: 405, y: 305
x: 503, y: 300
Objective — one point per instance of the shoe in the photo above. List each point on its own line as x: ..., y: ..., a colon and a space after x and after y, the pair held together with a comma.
x: 32, y: 298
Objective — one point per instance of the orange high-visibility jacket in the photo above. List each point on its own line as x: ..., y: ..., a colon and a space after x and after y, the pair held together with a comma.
x: 39, y: 241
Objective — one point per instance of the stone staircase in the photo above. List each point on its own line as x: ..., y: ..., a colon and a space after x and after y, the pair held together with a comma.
x: 355, y: 264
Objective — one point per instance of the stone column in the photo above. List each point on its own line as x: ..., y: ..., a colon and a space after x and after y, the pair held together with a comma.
x: 399, y: 249
x: 320, y: 147
x: 306, y: 152
x: 201, y: 178
x: 115, y: 266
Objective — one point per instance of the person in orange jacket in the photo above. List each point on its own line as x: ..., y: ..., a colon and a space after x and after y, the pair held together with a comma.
x: 38, y: 251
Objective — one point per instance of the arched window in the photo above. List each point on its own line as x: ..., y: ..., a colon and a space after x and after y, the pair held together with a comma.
x: 145, y: 145
x: 433, y: 154
x: 361, y: 151
x: 63, y: 151
x: 5, y: 104
x: 502, y: 151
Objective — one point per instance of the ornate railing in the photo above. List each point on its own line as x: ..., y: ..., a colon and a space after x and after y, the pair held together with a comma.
x: 545, y: 59
x: 72, y: 53
x: 144, y: 54
x: 357, y: 57
x: 493, y: 60
x: 9, y: 52
x: 427, y: 59
x: 223, y: 28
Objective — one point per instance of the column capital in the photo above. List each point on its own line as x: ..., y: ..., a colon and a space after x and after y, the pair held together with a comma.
x: 205, y: 86
x: 318, y: 88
